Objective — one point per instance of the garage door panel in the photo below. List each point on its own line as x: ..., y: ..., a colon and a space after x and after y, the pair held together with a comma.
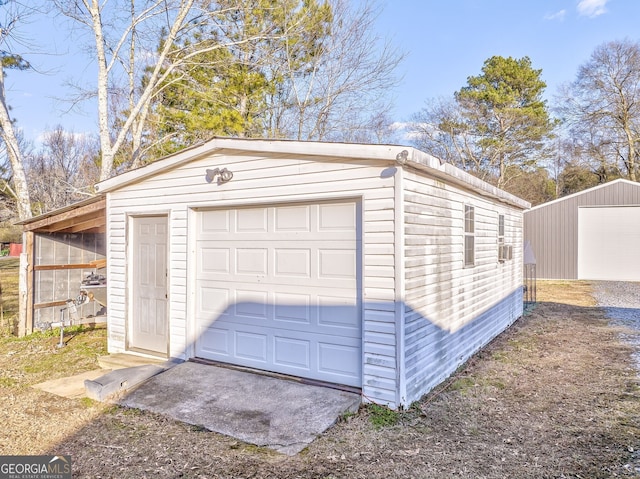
x: 251, y: 261
x: 330, y: 325
x: 291, y: 302
x: 213, y: 301
x: 251, y: 305
x: 251, y: 345
x: 338, y: 312
x: 289, y: 283
x: 215, y: 221
x: 292, y: 308
x: 341, y: 360
x: 215, y: 341
x: 337, y: 264
x: 333, y: 360
x: 322, y: 261
x: 285, y: 236
x: 291, y: 262
x: 251, y: 220
x: 214, y: 261
x: 337, y: 217
x: 214, y: 297
x: 292, y: 218
x: 290, y: 352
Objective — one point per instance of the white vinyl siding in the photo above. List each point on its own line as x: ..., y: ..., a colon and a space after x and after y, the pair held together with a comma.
x: 423, y: 311
x: 452, y: 311
x: 260, y: 180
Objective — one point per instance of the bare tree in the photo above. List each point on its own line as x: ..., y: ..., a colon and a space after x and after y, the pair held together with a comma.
x: 602, y: 107
x: 64, y: 170
x: 440, y: 129
x: 13, y: 13
x: 126, y: 36
x: 344, y: 83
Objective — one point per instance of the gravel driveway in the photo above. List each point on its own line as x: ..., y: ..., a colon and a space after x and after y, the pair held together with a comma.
x: 621, y: 302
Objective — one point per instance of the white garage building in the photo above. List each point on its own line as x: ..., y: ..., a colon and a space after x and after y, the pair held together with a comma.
x: 369, y: 266
x: 590, y: 235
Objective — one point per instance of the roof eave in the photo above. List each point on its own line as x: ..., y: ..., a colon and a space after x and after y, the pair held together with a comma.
x: 406, y: 156
x: 447, y: 172
x: 588, y: 190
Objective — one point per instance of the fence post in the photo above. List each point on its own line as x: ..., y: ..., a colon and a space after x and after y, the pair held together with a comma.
x: 22, y: 295
x: 25, y: 286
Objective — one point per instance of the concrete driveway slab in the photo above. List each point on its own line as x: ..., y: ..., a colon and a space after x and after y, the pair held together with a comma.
x: 266, y: 411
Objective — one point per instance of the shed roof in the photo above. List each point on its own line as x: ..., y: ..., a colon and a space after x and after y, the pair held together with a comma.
x: 87, y: 216
x: 402, y: 155
x: 619, y: 183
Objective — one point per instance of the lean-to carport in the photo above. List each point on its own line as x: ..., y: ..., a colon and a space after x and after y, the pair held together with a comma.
x: 60, y: 249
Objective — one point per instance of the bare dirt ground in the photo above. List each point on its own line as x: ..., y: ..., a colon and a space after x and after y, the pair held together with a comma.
x: 555, y: 396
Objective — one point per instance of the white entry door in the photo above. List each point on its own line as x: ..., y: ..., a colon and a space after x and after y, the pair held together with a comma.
x: 608, y: 241
x: 148, y: 318
x: 278, y: 288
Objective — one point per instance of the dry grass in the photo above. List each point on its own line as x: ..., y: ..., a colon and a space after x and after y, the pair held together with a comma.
x: 9, y: 294
x: 554, y: 396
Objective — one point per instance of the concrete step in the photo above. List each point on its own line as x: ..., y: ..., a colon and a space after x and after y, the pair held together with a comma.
x: 124, y: 360
x: 72, y: 386
x: 117, y: 383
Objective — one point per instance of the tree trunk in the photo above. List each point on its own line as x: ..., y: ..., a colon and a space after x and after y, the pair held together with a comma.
x: 631, y: 154
x: 15, y: 155
x: 103, y: 101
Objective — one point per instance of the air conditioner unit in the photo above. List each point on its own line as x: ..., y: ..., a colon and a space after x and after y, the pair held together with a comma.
x: 505, y: 252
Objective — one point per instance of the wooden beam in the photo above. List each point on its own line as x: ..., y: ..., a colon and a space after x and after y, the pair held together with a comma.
x: 50, y: 304
x: 52, y: 267
x: 97, y: 207
x: 99, y: 263
x: 71, y: 223
x: 89, y: 224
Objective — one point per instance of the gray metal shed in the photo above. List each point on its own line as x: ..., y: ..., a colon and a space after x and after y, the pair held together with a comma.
x: 591, y: 235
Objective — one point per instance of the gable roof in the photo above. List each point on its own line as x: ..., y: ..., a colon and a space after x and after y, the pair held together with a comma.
x: 401, y: 155
x: 620, y: 182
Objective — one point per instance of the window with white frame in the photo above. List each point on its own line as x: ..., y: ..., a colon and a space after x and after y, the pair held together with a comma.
x: 469, y: 235
x: 501, y: 253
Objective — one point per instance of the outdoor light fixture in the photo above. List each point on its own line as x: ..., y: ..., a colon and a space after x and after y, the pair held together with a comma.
x: 223, y: 175
x: 402, y: 156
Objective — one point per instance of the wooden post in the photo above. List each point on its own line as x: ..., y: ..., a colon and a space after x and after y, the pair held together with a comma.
x: 29, y: 245
x: 25, y: 285
x: 22, y: 295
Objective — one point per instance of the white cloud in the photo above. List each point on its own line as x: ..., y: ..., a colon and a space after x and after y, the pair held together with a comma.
x: 407, y: 131
x: 556, y: 16
x: 592, y: 8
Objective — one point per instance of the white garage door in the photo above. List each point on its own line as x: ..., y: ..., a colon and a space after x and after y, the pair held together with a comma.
x: 608, y: 239
x: 277, y: 288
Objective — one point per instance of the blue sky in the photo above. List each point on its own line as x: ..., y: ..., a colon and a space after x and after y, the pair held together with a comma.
x: 449, y: 40
x: 446, y: 41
